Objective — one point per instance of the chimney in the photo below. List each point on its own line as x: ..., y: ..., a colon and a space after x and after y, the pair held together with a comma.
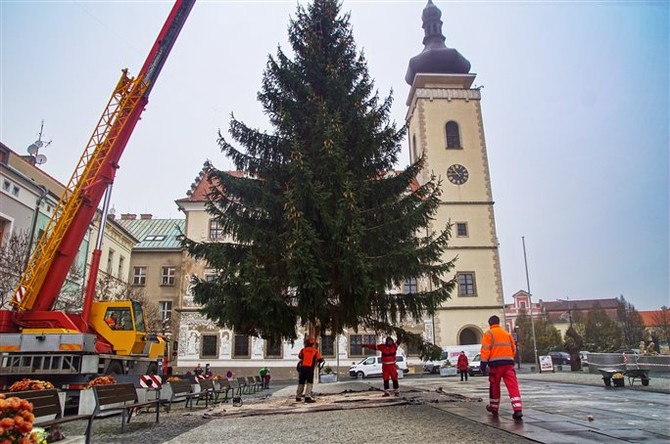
x: 145, y: 216
x: 128, y: 216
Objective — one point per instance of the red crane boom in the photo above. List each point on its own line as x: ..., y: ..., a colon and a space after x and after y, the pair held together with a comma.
x: 47, y: 269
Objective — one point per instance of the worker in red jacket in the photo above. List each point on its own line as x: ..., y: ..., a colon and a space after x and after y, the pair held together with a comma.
x: 463, y: 365
x: 389, y: 367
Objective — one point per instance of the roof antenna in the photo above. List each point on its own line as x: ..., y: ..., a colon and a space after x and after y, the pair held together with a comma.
x: 34, y: 148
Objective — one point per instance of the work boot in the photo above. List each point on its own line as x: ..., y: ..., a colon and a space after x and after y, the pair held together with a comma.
x: 493, y: 412
x: 309, y: 399
x: 386, y: 393
x: 396, y: 392
x: 298, y: 398
x: 517, y: 415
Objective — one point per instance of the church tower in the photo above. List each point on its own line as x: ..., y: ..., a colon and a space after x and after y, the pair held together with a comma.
x: 445, y: 125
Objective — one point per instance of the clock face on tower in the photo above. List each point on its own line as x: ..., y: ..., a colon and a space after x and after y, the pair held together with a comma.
x: 457, y: 174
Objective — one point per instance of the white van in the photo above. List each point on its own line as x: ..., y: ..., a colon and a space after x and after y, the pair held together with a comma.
x: 372, y: 366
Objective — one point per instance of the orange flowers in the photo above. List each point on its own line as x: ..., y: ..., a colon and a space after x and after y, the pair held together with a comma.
x: 16, y: 421
x: 30, y: 384
x: 101, y: 380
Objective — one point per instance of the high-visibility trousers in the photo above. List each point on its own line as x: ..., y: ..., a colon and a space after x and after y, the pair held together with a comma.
x: 508, y: 375
x: 390, y: 371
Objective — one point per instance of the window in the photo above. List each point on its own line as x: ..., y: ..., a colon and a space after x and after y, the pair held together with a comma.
x: 327, y: 346
x: 466, y: 284
x: 139, y: 276
x: 356, y: 345
x: 412, y: 349
x: 414, y: 150
x: 110, y: 261
x: 15, y: 190
x: 409, y: 286
x: 210, y: 347
x: 461, y: 229
x: 167, y: 275
x: 6, y: 185
x: 522, y: 305
x: 210, y: 277
x: 165, y: 310
x: 215, y: 230
x: 154, y: 237
x: 241, y: 346
x: 118, y: 319
x: 273, y: 349
x: 119, y: 271
x: 453, y: 138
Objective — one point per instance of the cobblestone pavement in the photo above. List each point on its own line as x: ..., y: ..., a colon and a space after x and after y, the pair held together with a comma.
x: 554, y: 411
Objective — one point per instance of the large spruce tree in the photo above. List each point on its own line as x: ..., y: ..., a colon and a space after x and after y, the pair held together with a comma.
x: 320, y: 224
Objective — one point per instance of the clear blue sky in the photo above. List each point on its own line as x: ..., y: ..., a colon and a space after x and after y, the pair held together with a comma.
x: 575, y: 104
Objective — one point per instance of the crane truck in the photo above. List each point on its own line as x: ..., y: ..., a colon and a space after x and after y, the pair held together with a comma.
x: 109, y: 337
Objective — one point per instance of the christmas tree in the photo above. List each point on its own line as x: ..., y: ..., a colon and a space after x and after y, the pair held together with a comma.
x: 319, y: 225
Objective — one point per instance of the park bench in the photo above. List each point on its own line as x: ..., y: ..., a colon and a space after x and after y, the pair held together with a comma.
x: 47, y: 409
x: 259, y: 382
x: 242, y: 385
x: 181, y: 391
x: 255, y: 386
x: 207, y: 392
x: 120, y: 398
x: 224, y: 388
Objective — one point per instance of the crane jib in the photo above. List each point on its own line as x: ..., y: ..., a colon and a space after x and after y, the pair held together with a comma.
x: 49, y: 264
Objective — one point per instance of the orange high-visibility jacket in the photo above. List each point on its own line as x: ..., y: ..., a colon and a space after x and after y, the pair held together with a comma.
x: 498, y: 347
x: 309, y: 356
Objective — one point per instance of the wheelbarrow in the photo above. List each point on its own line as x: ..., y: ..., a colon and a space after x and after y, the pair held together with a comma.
x: 613, y: 376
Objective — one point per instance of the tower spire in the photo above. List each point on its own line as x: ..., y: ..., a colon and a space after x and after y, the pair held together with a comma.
x: 436, y: 57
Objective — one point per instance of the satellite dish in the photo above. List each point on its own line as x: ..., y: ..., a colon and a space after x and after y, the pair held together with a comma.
x: 32, y: 149
x: 38, y: 143
x: 40, y: 159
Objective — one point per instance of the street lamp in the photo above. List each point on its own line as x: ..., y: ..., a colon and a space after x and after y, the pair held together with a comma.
x: 530, y: 303
x: 518, y: 346
x: 569, y: 309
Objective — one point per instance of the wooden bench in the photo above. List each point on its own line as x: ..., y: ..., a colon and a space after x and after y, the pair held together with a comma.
x: 242, y: 385
x: 120, y: 398
x: 46, y: 403
x: 181, y: 391
x: 224, y: 388
x: 207, y: 392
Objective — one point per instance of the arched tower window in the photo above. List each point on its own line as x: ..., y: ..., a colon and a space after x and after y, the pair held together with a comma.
x: 469, y: 336
x: 453, y: 137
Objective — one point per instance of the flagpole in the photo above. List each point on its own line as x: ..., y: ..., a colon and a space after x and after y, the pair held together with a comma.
x: 530, y: 303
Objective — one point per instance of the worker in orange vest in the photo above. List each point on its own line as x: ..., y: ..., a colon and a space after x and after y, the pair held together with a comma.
x: 389, y: 367
x: 309, y: 358
x: 497, y: 353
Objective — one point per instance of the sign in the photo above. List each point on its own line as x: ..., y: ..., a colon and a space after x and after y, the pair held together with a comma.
x: 150, y: 381
x: 546, y: 364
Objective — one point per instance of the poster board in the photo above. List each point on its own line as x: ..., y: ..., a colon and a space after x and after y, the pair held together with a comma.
x: 546, y: 364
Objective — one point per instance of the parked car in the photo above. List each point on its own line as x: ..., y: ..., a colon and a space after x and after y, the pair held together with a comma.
x: 559, y: 358
x: 434, y: 366
x: 372, y: 366
x: 475, y: 366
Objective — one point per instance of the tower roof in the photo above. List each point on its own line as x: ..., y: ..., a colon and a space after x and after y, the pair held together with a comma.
x: 435, y: 58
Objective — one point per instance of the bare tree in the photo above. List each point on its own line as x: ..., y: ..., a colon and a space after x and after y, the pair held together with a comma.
x: 661, y: 320
x: 14, y: 255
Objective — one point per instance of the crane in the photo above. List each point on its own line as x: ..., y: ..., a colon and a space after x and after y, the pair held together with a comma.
x: 46, y: 271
